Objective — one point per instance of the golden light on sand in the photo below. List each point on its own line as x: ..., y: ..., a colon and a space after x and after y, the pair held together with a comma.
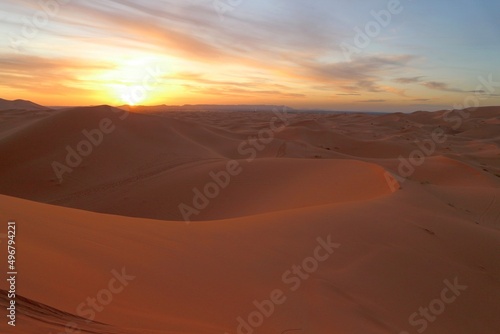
x: 166, y: 185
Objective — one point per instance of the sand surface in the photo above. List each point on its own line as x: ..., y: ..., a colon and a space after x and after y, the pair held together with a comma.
x: 205, y: 213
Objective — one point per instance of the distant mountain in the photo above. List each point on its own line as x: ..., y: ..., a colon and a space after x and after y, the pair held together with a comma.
x: 204, y: 107
x: 20, y: 105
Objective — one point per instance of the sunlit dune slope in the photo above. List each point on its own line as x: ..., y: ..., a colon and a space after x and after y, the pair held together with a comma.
x: 391, y: 256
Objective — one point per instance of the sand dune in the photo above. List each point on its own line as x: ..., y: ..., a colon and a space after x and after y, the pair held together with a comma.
x: 37, y: 317
x: 367, y: 285
x: 20, y: 105
x: 409, y: 217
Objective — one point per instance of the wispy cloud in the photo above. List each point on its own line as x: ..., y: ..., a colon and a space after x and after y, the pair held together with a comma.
x: 48, y: 75
x: 270, y: 50
x: 441, y: 86
x: 373, y: 101
x: 408, y: 80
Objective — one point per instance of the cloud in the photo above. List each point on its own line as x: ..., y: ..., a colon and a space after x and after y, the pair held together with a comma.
x: 247, y: 87
x: 362, y: 74
x: 267, y: 49
x: 446, y: 88
x: 373, y: 101
x: 397, y: 91
x: 194, y: 33
x: 369, y: 86
x: 435, y: 85
x: 240, y: 92
x: 361, y: 69
x: 408, y: 80
x: 47, y: 75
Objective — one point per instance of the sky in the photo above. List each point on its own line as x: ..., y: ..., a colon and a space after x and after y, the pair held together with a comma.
x: 364, y: 55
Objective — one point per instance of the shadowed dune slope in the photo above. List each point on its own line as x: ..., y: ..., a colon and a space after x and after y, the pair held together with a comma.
x: 107, y: 160
x: 147, y: 166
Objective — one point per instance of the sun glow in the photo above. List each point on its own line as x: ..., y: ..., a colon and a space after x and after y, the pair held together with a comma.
x: 134, y: 81
x: 131, y: 94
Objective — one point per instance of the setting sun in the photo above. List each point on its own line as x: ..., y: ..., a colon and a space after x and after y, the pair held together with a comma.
x: 132, y: 95
x: 133, y: 81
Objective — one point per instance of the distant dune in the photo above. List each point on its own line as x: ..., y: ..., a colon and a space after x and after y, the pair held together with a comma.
x: 158, y: 109
x: 20, y: 105
x: 208, y: 212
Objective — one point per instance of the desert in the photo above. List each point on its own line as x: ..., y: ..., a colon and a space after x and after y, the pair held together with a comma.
x: 390, y: 243
x: 249, y: 167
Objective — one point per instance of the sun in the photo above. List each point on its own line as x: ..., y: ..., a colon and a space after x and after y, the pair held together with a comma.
x: 132, y: 94
x: 135, y: 80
